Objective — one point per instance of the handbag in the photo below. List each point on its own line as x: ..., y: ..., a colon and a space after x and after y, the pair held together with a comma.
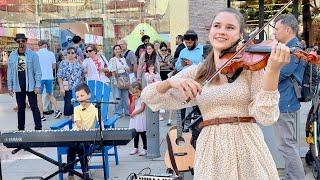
x: 122, y: 80
x: 107, y: 73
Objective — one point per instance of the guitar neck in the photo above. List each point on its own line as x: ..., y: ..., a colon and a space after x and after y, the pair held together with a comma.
x: 179, y: 123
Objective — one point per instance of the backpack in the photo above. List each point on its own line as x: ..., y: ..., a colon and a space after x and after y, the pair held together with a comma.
x: 126, y: 54
x: 310, y: 80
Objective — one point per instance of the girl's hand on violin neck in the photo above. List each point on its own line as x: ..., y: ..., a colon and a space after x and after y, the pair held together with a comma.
x: 280, y: 56
x: 189, y: 88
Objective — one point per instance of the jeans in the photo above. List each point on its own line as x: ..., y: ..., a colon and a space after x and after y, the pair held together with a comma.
x: 285, y: 135
x: 122, y: 97
x: 21, y: 101
x: 68, y: 107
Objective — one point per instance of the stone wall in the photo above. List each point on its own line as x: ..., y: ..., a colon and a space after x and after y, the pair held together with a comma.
x: 201, y: 13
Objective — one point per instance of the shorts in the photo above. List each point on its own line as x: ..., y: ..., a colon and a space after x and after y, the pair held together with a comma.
x: 48, y: 85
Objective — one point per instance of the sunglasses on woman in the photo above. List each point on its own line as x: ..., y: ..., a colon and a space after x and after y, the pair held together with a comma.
x: 89, y: 50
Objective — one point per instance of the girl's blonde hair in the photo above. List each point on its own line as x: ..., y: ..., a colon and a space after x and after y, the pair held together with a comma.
x: 135, y: 86
x: 208, y: 67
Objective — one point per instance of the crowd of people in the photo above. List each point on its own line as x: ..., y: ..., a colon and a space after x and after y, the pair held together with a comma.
x: 231, y: 144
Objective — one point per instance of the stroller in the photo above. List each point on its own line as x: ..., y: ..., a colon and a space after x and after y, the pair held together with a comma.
x: 312, y: 132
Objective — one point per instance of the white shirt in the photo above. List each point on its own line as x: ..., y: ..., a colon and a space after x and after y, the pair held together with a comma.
x: 46, y: 59
x: 92, y: 71
x: 118, y: 65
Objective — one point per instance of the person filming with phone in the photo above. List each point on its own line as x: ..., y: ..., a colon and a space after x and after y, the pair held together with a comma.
x: 193, y: 52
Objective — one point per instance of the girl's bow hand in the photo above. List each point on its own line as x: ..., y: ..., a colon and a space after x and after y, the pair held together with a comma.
x: 280, y: 56
x: 189, y: 88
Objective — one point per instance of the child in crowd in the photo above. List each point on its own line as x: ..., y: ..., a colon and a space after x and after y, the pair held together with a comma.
x: 151, y: 75
x: 85, y: 117
x: 138, y: 119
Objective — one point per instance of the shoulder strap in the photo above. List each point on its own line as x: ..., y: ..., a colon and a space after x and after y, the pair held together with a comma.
x: 126, y: 54
x: 171, y: 156
x: 103, y: 59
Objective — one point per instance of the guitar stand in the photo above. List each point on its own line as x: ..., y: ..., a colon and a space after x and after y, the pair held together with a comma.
x: 63, y: 167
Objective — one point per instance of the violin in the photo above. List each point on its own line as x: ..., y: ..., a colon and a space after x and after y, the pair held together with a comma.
x: 255, y: 57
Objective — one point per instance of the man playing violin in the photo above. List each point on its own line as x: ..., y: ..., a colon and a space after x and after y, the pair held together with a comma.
x: 286, y: 28
x: 231, y: 144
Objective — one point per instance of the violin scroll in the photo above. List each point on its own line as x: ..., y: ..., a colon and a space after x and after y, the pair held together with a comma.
x: 309, y: 57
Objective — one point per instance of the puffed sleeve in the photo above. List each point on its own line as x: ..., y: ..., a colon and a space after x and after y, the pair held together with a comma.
x: 172, y: 99
x: 264, y: 106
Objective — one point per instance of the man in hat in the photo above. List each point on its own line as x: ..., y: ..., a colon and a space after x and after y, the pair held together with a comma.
x: 24, y: 77
x: 47, y: 61
x: 193, y: 54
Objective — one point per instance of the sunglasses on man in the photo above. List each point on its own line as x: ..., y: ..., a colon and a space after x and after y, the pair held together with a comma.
x: 21, y: 41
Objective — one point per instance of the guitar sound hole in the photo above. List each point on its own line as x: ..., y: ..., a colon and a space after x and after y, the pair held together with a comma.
x: 180, y: 141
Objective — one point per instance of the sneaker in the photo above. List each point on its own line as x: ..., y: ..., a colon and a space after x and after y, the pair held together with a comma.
x: 57, y: 114
x: 143, y: 153
x: 43, y: 118
x: 134, y: 151
x: 48, y: 112
x: 169, y: 122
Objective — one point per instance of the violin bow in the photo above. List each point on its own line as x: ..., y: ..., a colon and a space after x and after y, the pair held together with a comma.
x: 207, y: 81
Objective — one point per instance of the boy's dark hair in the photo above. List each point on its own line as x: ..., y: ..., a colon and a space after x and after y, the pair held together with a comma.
x: 76, y: 39
x: 144, y: 37
x: 83, y: 86
x: 72, y: 48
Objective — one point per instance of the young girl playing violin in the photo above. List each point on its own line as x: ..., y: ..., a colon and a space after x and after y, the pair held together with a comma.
x: 230, y: 145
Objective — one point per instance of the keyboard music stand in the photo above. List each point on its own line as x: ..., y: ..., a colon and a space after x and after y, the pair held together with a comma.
x: 98, y: 106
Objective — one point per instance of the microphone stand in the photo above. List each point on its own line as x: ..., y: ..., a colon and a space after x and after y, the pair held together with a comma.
x: 98, y: 106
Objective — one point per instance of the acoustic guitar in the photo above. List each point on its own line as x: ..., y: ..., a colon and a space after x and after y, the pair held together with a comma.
x: 182, y: 152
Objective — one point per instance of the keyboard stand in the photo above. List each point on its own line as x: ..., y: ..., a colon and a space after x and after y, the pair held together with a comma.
x: 63, y: 167
x: 0, y: 169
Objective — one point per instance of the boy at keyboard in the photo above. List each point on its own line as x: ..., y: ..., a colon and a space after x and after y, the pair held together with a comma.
x: 85, y: 117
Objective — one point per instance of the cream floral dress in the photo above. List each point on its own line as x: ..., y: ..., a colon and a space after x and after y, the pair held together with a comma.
x: 228, y: 151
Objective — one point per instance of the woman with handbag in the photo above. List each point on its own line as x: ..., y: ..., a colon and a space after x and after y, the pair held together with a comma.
x: 120, y: 81
x: 95, y: 66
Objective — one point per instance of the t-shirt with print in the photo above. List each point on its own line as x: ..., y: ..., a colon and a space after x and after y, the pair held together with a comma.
x: 88, y: 116
x: 22, y: 71
x: 71, y: 72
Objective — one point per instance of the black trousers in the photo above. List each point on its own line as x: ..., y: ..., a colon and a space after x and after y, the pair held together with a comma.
x: 144, y: 140
x: 80, y: 151
x: 68, y: 107
x: 21, y: 101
